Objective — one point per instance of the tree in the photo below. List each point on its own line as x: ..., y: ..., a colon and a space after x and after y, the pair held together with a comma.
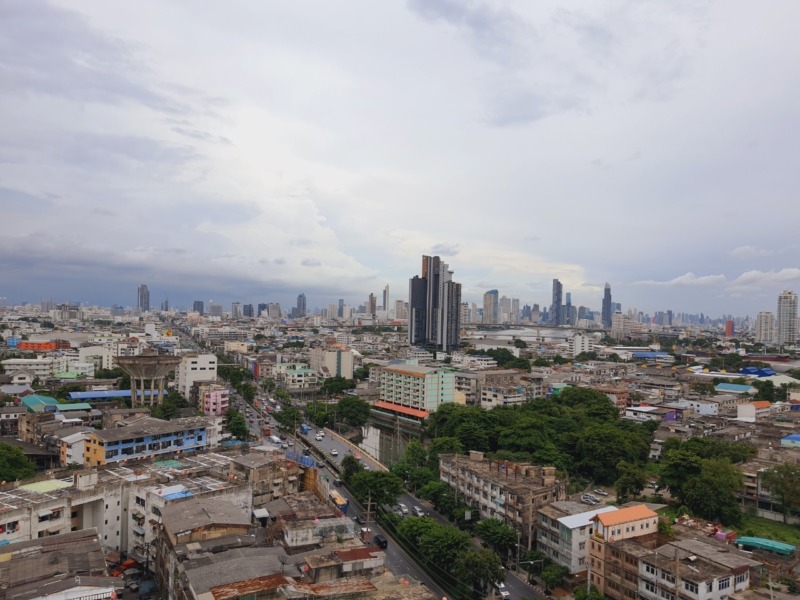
x: 337, y: 385
x: 288, y: 417
x: 236, y: 424
x: 171, y: 406
x: 553, y: 575
x: 602, y: 447
x: 680, y: 467
x: 479, y: 568
x: 497, y: 534
x: 592, y: 594
x: 14, y: 465
x: 350, y: 467
x: 443, y: 545
x: 783, y: 482
x: 712, y: 494
x: 472, y: 436
x: 378, y: 486
x: 631, y: 481
x: 353, y: 410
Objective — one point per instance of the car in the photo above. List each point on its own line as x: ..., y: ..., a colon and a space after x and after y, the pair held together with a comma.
x: 321, y: 433
x: 601, y: 492
x: 334, y: 452
x: 306, y: 452
x: 290, y: 442
x: 319, y: 439
x: 502, y: 590
x: 283, y: 436
x: 402, y: 508
x: 380, y: 541
x: 418, y: 511
x: 360, y: 520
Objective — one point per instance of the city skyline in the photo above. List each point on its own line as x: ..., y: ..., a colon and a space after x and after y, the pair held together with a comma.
x: 253, y: 152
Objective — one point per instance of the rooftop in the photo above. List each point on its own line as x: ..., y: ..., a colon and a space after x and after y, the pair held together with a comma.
x: 625, y: 515
x: 151, y: 426
x: 202, y: 512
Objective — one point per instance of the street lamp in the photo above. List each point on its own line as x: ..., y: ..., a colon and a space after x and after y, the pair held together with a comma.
x: 530, y: 562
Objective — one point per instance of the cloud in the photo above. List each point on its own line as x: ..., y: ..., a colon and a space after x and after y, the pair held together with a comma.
x: 311, y: 262
x: 445, y: 249
x: 686, y: 280
x: 760, y: 281
x: 745, y: 252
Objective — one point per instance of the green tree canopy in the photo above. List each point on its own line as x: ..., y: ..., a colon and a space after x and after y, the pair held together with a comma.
x: 337, y: 385
x: 351, y: 466
x: 479, y: 568
x: 497, y: 534
x: 631, y: 481
x: 14, y: 465
x: 353, y: 411
x: 377, y: 486
x: 783, y: 481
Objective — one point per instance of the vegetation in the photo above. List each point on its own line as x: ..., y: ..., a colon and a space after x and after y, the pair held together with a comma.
x: 353, y: 411
x: 379, y: 487
x: 14, y: 465
x: 337, y: 385
x: 783, y: 481
x: 497, y: 534
x: 170, y: 406
x: 236, y: 424
x: 505, y: 358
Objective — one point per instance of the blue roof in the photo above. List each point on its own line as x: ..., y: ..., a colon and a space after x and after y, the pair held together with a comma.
x: 178, y: 495
x: 649, y: 354
x: 765, y: 544
x: 795, y: 437
x: 733, y: 387
x: 765, y: 372
x: 105, y: 394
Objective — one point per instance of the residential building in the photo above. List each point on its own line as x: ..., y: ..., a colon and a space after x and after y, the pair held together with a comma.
x: 625, y: 523
x: 301, y: 378
x: 331, y: 362
x: 194, y: 368
x: 753, y: 412
x: 434, y: 303
x: 420, y: 389
x: 502, y: 396
x: 563, y: 532
x: 511, y: 492
x: 786, y: 319
x: 147, y: 437
x: 213, y: 398
x: 765, y: 328
x: 580, y: 343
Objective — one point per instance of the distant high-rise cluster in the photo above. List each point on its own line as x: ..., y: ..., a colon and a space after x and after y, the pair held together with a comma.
x: 434, y: 306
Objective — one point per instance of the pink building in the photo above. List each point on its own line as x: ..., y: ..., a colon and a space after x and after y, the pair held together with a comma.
x: 215, y: 402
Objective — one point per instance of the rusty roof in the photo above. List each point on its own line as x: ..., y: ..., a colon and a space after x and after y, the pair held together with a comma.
x: 250, y: 586
x: 357, y: 553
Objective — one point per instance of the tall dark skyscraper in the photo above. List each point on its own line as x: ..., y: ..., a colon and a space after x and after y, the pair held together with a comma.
x: 434, y: 303
x: 301, y: 305
x: 556, y: 307
x: 341, y: 308
x: 607, y: 309
x: 143, y: 298
x: 198, y: 307
x: 568, y: 311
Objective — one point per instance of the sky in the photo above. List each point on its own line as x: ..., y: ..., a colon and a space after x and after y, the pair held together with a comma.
x: 252, y: 150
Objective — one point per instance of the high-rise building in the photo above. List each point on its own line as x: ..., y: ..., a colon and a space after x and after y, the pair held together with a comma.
x: 556, y: 307
x: 214, y: 309
x: 786, y: 321
x: 262, y: 308
x: 729, y: 329
x: 247, y: 311
x: 434, y: 306
x: 568, y: 320
x: 143, y: 298
x: 386, y: 298
x: 765, y: 328
x: 198, y: 307
x: 165, y: 305
x: 400, y: 309
x: 491, y: 307
x: 606, y: 310
x: 301, y: 306
x: 341, y: 309
x: 236, y: 310
x: 372, y: 305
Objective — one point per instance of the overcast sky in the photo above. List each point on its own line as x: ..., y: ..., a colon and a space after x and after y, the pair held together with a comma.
x: 253, y: 150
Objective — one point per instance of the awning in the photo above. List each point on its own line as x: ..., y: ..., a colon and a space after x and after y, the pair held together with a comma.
x: 293, y: 478
x: 277, y: 481
x: 260, y: 513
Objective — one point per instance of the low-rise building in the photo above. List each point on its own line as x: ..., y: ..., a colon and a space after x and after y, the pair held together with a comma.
x: 511, y: 492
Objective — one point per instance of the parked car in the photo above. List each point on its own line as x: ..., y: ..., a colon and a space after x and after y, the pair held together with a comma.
x: 359, y: 519
x: 334, y: 452
x: 419, y: 512
x: 402, y: 508
x: 601, y: 492
x: 380, y: 541
x: 502, y: 590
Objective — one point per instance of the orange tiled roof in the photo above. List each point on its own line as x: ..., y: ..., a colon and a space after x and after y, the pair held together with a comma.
x: 761, y: 404
x: 625, y: 515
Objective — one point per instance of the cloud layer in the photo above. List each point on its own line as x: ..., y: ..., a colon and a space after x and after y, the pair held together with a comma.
x: 254, y: 151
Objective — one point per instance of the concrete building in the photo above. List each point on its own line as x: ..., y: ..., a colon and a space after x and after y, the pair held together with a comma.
x: 148, y: 437
x: 786, y: 319
x: 752, y: 412
x: 765, y: 328
x: 511, y: 492
x: 491, y: 307
x: 502, y: 396
x: 195, y: 368
x: 416, y: 387
x: 213, y: 398
x: 434, y: 307
x: 563, y: 532
x: 580, y: 343
x: 331, y: 362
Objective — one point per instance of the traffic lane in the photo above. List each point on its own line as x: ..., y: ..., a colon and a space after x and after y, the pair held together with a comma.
x: 397, y: 560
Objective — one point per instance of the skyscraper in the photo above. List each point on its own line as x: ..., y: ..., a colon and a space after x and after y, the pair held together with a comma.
x: 434, y: 306
x: 143, y: 298
x: 606, y: 310
x: 786, y: 321
x: 301, y: 306
x: 765, y: 327
x: 491, y: 307
x: 556, y: 307
x: 198, y: 307
x: 372, y: 305
x: 341, y: 309
x: 236, y: 310
x: 386, y: 298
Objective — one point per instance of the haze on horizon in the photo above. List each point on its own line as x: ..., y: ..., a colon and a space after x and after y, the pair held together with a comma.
x: 251, y: 151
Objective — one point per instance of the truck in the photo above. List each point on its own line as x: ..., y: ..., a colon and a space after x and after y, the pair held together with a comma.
x: 304, y: 428
x: 267, y: 431
x: 275, y: 439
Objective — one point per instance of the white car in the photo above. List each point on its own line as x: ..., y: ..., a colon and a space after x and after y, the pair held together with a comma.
x: 334, y: 452
x: 419, y: 512
x: 502, y: 590
x: 318, y: 438
x: 402, y: 508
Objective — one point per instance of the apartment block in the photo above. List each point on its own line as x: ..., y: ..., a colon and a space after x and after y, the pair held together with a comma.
x: 511, y: 492
x: 416, y: 387
x: 195, y: 368
x: 148, y: 437
x: 331, y: 362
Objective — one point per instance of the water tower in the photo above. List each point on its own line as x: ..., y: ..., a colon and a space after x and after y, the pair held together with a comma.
x: 147, y: 370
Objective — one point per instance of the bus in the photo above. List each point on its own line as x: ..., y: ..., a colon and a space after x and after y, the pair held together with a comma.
x: 339, y: 501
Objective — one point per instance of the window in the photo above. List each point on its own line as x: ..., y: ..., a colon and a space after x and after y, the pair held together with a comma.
x: 709, y: 587
x: 650, y: 568
x: 690, y: 586
x: 741, y: 577
x: 582, y: 546
x: 724, y: 584
x: 650, y: 587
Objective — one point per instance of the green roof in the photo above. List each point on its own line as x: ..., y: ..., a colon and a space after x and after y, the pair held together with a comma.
x: 75, y: 406
x: 68, y: 375
x: 37, y: 402
x: 765, y: 544
x: 49, y: 485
